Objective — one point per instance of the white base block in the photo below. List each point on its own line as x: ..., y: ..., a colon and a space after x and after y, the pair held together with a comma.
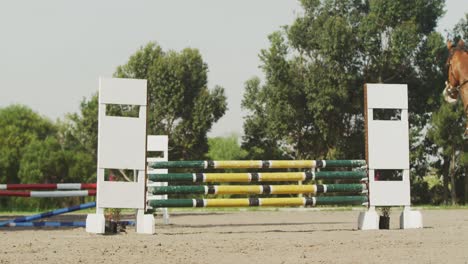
x: 368, y: 220
x: 410, y: 219
x: 95, y: 223
x: 145, y: 224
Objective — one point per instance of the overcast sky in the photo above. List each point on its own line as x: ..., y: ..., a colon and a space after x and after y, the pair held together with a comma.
x: 53, y: 52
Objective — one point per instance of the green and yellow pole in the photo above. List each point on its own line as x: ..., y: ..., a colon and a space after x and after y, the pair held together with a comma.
x: 259, y: 189
x: 253, y: 202
x: 257, y: 164
x: 257, y: 177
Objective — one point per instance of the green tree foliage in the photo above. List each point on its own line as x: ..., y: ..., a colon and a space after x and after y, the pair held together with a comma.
x: 35, y: 150
x: 446, y: 132
x: 225, y: 148
x: 81, y: 129
x: 257, y: 139
x: 78, y: 135
x: 43, y: 162
x: 19, y: 127
x: 311, y: 103
x: 180, y: 103
x: 461, y: 29
x: 30, y: 152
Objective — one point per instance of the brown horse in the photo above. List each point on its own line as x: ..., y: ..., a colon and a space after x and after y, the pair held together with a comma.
x: 457, y: 83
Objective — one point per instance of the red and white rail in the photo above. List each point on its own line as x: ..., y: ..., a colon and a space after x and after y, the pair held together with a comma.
x: 49, y: 186
x: 49, y: 194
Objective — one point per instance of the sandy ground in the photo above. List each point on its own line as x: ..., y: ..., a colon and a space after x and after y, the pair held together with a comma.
x: 285, y: 236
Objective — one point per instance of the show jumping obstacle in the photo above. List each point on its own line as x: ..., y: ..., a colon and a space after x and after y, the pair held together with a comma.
x: 62, y: 190
x: 258, y: 177
x: 258, y: 164
x: 19, y: 220
x: 51, y: 194
x: 157, y: 144
x: 49, y: 224
x: 255, y: 202
x: 259, y: 189
x: 387, y: 153
x: 72, y: 190
x: 26, y: 221
x: 61, y: 224
x: 49, y: 186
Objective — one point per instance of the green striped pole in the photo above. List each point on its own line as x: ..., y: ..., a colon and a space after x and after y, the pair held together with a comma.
x: 253, y: 202
x: 258, y: 189
x: 257, y: 164
x: 257, y: 177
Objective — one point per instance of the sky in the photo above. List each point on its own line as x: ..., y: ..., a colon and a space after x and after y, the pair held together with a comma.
x: 52, y: 52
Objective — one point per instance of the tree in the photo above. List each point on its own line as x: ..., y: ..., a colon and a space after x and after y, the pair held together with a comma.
x: 461, y: 29
x: 311, y: 105
x: 447, y: 130
x: 225, y: 148
x: 28, y: 151
x: 78, y: 134
x: 81, y: 129
x: 256, y: 139
x: 43, y: 162
x: 180, y: 103
x: 19, y: 127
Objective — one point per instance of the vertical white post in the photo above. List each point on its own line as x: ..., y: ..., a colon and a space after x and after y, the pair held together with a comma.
x: 158, y: 144
x: 387, y: 149
x: 121, y: 146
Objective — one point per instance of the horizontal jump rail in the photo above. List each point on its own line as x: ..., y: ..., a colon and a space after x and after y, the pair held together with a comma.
x: 256, y: 177
x: 59, y: 224
x: 254, y: 202
x: 49, y: 186
x: 257, y: 164
x: 48, y: 224
x: 49, y: 214
x: 259, y: 189
x: 48, y: 194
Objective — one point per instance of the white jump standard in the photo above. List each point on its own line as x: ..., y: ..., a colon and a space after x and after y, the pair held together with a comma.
x: 121, y: 145
x: 387, y: 151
